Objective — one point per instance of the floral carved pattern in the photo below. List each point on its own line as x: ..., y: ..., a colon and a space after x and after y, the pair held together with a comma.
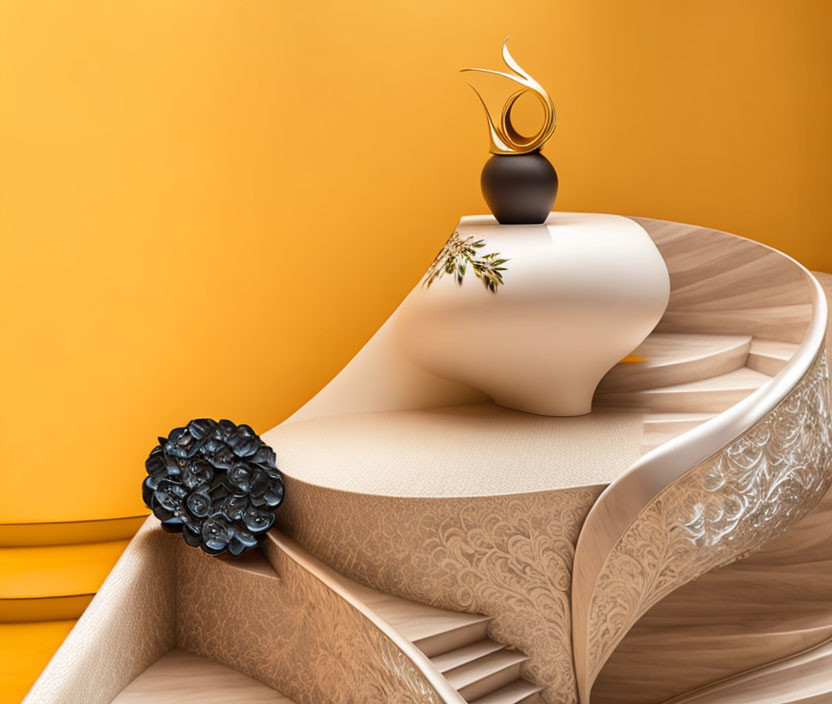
x: 292, y: 633
x: 508, y: 557
x: 729, y: 505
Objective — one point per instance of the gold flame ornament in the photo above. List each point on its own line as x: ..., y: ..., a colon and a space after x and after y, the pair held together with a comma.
x: 505, y: 139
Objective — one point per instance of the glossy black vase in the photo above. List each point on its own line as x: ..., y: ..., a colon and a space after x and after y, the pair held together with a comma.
x: 520, y: 189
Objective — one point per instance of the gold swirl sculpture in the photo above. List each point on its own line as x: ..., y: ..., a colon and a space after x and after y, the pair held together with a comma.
x: 505, y: 139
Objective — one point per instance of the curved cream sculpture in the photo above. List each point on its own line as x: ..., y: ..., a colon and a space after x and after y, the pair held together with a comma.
x: 578, y: 294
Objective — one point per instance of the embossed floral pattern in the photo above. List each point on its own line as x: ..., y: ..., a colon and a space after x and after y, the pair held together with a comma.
x: 729, y: 505
x: 508, y: 557
x: 293, y: 633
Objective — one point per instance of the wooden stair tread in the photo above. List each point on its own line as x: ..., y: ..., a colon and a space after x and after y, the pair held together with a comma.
x: 769, y: 356
x: 661, y: 427
x: 711, y: 395
x: 468, y: 653
x: 465, y: 675
x: 513, y: 693
x: 661, y: 419
x: 805, y: 678
x: 674, y: 358
x: 179, y: 677
x: 415, y: 621
x: 773, y: 348
x: 743, y: 378
x: 722, y: 625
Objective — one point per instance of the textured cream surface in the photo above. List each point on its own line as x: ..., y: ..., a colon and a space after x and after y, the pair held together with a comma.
x: 179, y: 677
x: 471, y: 450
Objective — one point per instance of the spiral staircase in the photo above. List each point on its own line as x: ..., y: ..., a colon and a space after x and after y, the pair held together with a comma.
x: 679, y: 554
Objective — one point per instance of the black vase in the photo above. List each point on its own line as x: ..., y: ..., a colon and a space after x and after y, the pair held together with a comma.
x: 520, y: 189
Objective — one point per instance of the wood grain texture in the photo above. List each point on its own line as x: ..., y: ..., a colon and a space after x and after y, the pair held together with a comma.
x: 641, y: 541
x: 767, y: 608
x: 804, y: 678
x: 769, y: 356
x: 519, y: 692
x: 771, y: 605
x: 671, y: 359
x: 179, y: 677
x: 707, y: 395
x: 728, y: 285
x: 774, y: 603
x: 733, y: 503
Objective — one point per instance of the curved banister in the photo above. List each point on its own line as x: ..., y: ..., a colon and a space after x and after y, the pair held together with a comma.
x: 627, y: 498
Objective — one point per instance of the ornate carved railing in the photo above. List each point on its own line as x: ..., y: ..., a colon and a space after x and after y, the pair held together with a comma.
x: 725, y: 488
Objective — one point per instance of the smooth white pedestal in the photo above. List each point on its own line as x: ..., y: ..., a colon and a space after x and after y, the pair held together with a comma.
x: 580, y: 292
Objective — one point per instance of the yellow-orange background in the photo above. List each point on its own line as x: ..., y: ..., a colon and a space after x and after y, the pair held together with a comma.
x: 207, y: 206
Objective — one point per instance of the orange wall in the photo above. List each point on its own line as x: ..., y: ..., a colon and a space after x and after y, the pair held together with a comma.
x: 207, y: 206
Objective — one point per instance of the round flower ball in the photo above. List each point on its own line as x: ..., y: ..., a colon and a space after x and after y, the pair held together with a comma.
x: 216, y: 483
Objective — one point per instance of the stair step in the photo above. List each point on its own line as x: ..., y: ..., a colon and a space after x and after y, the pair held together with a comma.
x: 514, y: 693
x: 712, y: 395
x: 661, y: 427
x: 179, y: 677
x: 431, y: 629
x: 486, y: 674
x: 461, y: 656
x: 769, y: 356
x: 671, y: 359
x: 804, y: 678
x: 760, y: 609
x: 682, y: 421
x: 446, y: 634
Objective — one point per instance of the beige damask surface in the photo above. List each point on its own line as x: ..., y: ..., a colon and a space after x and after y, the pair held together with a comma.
x: 508, y: 557
x: 288, y: 630
x: 729, y: 505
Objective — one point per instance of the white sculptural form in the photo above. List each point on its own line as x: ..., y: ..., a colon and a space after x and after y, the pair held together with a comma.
x: 537, y: 333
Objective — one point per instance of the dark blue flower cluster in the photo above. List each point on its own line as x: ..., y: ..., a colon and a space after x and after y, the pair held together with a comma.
x: 216, y: 483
